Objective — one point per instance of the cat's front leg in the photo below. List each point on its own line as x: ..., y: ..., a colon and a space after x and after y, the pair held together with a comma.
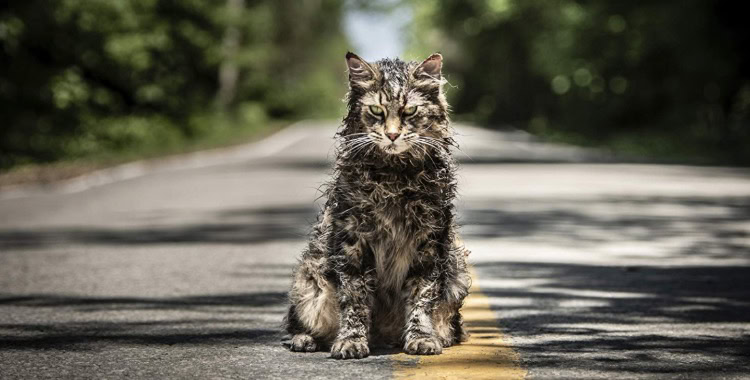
x: 422, y: 291
x: 355, y: 297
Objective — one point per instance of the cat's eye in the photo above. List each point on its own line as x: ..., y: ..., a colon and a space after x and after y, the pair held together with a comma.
x: 408, y: 111
x: 376, y: 110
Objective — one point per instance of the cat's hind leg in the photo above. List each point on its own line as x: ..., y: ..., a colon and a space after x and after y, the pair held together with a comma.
x: 313, y: 317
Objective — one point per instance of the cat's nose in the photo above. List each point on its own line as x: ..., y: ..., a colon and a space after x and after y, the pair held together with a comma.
x: 393, y: 136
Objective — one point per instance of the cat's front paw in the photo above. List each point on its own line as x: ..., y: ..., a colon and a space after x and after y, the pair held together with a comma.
x: 303, y: 343
x: 350, y: 349
x: 423, y: 346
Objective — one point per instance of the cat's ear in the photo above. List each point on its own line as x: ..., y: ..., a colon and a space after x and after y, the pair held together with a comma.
x: 430, y: 67
x: 360, y: 72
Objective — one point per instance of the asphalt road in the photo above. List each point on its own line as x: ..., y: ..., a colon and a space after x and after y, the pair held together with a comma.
x: 178, y: 269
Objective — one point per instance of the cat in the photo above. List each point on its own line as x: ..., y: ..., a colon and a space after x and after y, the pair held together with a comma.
x: 384, y: 264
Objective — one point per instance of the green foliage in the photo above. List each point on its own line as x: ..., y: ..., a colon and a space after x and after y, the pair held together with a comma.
x: 80, y: 78
x: 668, y: 77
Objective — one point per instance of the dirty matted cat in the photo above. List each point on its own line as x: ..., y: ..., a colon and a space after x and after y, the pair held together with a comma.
x: 383, y: 265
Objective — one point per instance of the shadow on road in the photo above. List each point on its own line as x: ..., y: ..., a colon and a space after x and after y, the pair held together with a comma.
x: 76, y: 337
x: 683, y: 307
x: 143, y: 320
x: 131, y: 303
x: 235, y: 226
x: 638, y: 320
x: 659, y: 316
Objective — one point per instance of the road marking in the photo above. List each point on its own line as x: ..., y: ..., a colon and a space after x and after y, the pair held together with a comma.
x: 486, y: 355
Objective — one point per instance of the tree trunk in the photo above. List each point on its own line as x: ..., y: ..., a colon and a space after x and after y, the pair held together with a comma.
x: 229, y: 71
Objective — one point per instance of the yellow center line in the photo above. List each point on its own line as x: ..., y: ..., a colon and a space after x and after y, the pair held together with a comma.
x: 486, y: 355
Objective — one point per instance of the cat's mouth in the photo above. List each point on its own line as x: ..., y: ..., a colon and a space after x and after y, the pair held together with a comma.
x: 393, y: 148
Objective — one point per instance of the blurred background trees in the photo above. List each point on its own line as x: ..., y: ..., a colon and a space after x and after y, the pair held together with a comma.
x: 79, y: 78
x: 667, y: 79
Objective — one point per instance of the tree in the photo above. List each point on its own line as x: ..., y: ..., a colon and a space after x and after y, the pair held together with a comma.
x: 78, y: 78
x: 624, y: 74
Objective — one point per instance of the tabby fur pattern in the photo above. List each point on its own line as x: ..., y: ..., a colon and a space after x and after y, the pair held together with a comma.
x: 384, y: 265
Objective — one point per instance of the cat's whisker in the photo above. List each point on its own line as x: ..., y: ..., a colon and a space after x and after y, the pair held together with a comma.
x: 431, y: 144
x: 440, y: 141
x: 443, y: 142
x: 360, y: 146
x: 426, y: 144
x: 363, y: 147
x: 436, y: 144
x: 355, y: 145
x: 426, y: 152
x: 433, y: 140
x: 421, y: 146
x: 355, y: 142
x: 354, y: 150
x: 355, y: 138
x: 371, y: 148
x: 411, y: 137
x: 353, y: 135
x: 455, y: 146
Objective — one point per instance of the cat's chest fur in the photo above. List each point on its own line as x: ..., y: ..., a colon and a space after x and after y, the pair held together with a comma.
x: 399, y: 213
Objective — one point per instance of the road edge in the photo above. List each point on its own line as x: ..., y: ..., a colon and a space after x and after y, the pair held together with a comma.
x: 199, y: 159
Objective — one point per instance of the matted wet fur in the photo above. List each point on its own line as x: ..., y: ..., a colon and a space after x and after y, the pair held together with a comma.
x: 383, y: 265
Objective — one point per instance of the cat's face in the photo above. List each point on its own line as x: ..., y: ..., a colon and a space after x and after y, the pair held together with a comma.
x: 400, y: 105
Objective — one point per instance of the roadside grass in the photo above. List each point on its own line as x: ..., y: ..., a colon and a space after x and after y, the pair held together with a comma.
x: 222, y: 133
x: 650, y: 144
x: 660, y: 147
